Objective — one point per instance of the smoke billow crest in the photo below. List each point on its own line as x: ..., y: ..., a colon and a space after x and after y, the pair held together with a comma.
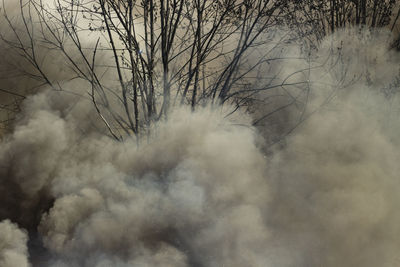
x: 13, y: 248
x: 179, y: 200
x: 201, y: 191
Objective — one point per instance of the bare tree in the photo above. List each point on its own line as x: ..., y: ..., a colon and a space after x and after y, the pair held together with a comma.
x: 164, y: 53
x: 314, y: 19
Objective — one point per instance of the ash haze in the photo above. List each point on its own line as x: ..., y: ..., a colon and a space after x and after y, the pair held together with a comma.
x: 210, y: 190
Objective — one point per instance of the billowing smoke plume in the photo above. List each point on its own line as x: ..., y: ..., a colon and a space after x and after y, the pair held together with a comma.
x: 335, y: 184
x: 180, y: 200
x: 13, y: 248
x: 336, y: 190
x: 200, y: 191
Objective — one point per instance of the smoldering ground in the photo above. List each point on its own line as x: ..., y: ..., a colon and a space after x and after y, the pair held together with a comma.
x: 201, y: 191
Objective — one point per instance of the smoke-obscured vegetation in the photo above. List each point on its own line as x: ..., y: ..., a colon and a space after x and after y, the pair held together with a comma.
x: 199, y: 133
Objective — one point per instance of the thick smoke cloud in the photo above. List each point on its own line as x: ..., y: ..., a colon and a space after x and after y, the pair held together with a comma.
x: 336, y: 182
x: 337, y: 194
x: 13, y: 248
x: 179, y: 200
x: 201, y: 191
